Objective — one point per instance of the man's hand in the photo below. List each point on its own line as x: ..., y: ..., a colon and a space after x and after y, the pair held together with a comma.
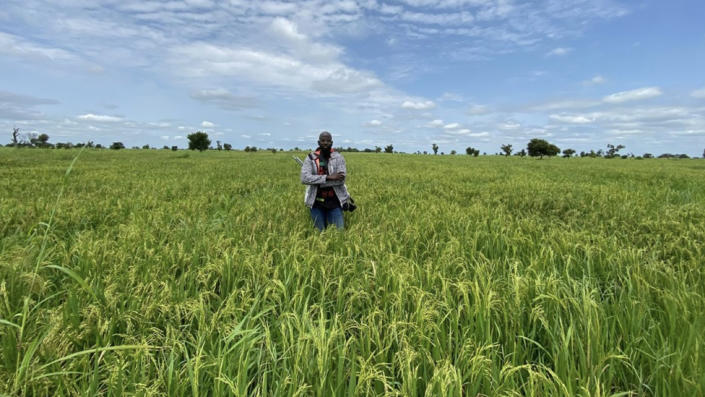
x: 335, y: 177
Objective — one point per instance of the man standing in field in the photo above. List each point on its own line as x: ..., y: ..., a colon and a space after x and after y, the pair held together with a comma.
x: 324, y: 173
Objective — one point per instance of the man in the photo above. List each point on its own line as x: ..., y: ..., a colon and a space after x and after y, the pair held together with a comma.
x: 324, y: 173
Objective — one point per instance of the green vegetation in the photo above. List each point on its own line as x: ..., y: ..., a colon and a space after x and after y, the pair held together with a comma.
x: 188, y: 273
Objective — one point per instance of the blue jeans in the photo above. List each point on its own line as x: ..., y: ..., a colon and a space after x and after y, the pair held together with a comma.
x: 323, y: 218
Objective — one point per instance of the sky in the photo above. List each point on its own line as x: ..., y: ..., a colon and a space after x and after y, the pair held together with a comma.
x: 580, y: 74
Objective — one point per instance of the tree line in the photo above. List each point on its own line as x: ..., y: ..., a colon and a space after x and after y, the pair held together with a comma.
x: 200, y: 141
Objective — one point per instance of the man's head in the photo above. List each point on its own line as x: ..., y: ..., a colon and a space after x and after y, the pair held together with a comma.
x: 325, y: 142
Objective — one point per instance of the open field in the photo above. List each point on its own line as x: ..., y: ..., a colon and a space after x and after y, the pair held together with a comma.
x: 186, y: 273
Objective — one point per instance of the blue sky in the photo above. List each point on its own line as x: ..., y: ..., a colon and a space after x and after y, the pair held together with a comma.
x: 481, y: 73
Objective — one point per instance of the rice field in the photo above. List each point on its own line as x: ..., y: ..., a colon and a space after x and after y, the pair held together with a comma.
x: 145, y: 272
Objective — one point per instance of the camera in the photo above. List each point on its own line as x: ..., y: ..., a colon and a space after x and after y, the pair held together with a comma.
x: 349, y: 205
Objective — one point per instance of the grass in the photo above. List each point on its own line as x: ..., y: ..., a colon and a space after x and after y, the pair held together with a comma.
x: 163, y: 273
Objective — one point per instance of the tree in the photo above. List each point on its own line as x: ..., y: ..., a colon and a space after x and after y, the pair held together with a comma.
x: 15, y: 135
x: 521, y: 153
x: 613, y: 150
x: 507, y: 149
x: 389, y: 149
x: 42, y: 140
x: 145, y: 146
x: 378, y: 149
x: 227, y: 146
x: 117, y: 146
x: 568, y: 152
x: 471, y: 151
x: 435, y: 148
x: 198, y: 141
x: 453, y: 152
x: 174, y: 148
x: 540, y: 147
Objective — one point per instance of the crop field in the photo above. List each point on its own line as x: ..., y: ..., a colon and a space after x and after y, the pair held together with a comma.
x: 145, y: 272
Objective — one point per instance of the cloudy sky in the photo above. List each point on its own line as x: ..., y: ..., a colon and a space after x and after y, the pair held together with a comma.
x: 271, y: 73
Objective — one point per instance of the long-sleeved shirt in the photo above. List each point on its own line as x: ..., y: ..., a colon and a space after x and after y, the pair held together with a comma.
x: 310, y: 177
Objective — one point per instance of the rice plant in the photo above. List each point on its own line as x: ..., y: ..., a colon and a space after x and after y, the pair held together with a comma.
x: 173, y: 273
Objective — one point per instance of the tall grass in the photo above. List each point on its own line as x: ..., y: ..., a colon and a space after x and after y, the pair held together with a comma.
x: 200, y: 274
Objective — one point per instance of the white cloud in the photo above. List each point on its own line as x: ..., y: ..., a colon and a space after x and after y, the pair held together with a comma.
x: 574, y: 119
x: 617, y: 131
x: 373, y: 123
x: 178, y: 137
x: 224, y: 99
x: 435, y: 124
x: 451, y: 126
x: 633, y: 95
x: 560, y: 51
x: 463, y: 131
x: 160, y: 124
x: 450, y: 96
x: 595, y: 80
x: 99, y: 118
x: 698, y: 93
x: 509, y: 126
x: 17, y: 46
x: 418, y: 105
x: 246, y: 136
x: 476, y: 110
x: 207, y: 124
x: 165, y: 137
x: 480, y: 134
x: 566, y: 104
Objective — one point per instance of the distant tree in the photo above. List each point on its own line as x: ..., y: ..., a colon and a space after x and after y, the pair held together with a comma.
x: 136, y: 147
x: 425, y: 152
x: 507, y: 149
x: 99, y: 146
x: 174, y: 148
x: 704, y: 153
x: 521, y: 153
x: 145, y: 146
x: 435, y: 148
x: 117, y: 146
x: 540, y: 147
x: 15, y: 136
x: 42, y: 140
x: 568, y: 152
x: 453, y: 152
x: 165, y: 147
x: 471, y: 151
x: 198, y: 141
x: 273, y: 150
x: 378, y: 149
x: 613, y: 150
x: 648, y: 156
x: 218, y: 145
x: 389, y: 149
x: 90, y: 144
x: 227, y: 146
